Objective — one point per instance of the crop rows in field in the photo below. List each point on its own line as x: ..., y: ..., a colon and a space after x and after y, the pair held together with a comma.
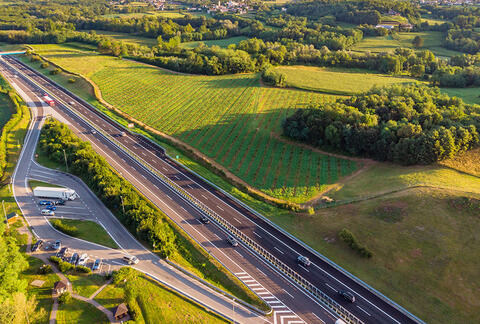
x: 228, y: 118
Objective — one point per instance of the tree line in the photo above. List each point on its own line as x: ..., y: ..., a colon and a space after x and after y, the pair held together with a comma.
x: 405, y: 124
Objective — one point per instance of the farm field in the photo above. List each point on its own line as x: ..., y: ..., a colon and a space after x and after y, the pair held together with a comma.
x: 432, y: 42
x: 127, y: 38
x: 341, y: 81
x: 219, y: 42
x: 236, y: 130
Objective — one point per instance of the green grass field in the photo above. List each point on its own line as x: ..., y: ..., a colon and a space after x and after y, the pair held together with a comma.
x: 127, y: 38
x: 36, y: 183
x: 79, y: 312
x: 229, y: 118
x: 86, y: 284
x: 91, y: 231
x: 432, y: 41
x: 340, y: 81
x: 469, y: 95
x: 157, y: 304
x: 219, y: 42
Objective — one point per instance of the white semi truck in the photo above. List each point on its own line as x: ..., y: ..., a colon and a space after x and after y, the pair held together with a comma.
x: 52, y: 192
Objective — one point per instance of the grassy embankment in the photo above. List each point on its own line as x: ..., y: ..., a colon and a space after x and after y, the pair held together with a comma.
x: 157, y: 303
x: 234, y: 119
x: 79, y: 312
x: 340, y: 81
x: 37, y: 183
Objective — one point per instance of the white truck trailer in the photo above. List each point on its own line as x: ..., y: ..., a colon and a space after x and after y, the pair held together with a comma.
x: 52, y: 192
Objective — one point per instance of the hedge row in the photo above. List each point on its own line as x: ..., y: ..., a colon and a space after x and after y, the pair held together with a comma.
x: 348, y: 237
x: 67, y: 229
x: 65, y: 267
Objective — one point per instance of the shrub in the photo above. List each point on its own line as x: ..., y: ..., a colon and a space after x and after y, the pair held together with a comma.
x: 35, y: 58
x: 64, y: 298
x: 55, y: 259
x: 44, y: 65
x: 272, y: 77
x: 55, y: 71
x: 72, y: 80
x: 348, y: 237
x: 64, y: 228
x: 45, y: 269
x: 61, y: 265
x: 83, y: 269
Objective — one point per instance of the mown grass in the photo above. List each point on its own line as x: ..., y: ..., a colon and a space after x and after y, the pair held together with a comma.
x: 219, y: 42
x: 6, y: 47
x: 432, y: 41
x: 127, y: 38
x: 91, y: 231
x: 158, y: 304
x: 86, y: 284
x: 37, y: 183
x: 42, y: 294
x: 79, y: 312
x: 340, y: 81
x: 425, y: 254
x: 469, y: 95
x: 230, y: 119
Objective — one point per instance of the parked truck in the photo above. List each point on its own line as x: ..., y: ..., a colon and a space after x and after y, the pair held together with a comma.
x: 52, y: 192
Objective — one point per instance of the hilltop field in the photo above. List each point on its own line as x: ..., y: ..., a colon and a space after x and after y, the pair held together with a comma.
x: 420, y: 222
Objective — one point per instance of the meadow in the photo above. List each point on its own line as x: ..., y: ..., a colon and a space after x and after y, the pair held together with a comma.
x: 219, y: 42
x: 341, y: 81
x: 232, y: 119
x: 127, y: 38
x: 432, y: 42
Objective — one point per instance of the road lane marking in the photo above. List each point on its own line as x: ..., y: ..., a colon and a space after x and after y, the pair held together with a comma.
x: 278, y: 250
x: 364, y: 310
x: 288, y: 293
x: 204, y: 196
x: 237, y: 220
x: 256, y: 234
x: 303, y: 268
x: 330, y: 287
x: 220, y: 208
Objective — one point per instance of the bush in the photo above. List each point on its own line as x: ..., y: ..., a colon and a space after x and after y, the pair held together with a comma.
x: 64, y: 298
x: 72, y: 80
x: 83, y: 269
x: 55, y: 72
x: 35, y: 58
x: 55, y: 259
x: 64, y: 228
x: 65, y: 266
x: 348, y: 237
x: 45, y: 269
x: 272, y: 77
x: 44, y: 65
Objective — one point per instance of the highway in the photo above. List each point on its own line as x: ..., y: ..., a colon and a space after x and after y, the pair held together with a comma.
x: 369, y: 307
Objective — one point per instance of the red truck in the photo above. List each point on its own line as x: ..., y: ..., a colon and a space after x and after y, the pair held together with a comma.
x: 48, y: 100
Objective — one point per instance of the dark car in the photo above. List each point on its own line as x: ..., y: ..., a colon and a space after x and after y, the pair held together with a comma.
x: 232, y: 241
x: 303, y: 260
x: 204, y: 219
x: 347, y: 295
x: 74, y: 259
x: 56, y: 245
x: 51, y: 207
x: 96, y: 264
x: 45, y: 203
x: 62, y: 252
x: 60, y: 202
x: 37, y: 245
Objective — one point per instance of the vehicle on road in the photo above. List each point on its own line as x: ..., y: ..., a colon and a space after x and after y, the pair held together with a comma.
x: 57, y: 245
x: 60, y: 202
x: 347, y: 295
x: 48, y: 100
x: 71, y: 103
x: 45, y: 203
x: 83, y: 259
x: 303, y: 260
x: 55, y: 192
x: 93, y: 131
x: 204, y: 219
x: 37, y: 245
x: 74, y: 259
x: 51, y: 207
x: 48, y: 212
x: 232, y: 241
x: 62, y: 252
x: 123, y: 134
x: 96, y: 264
x: 130, y: 259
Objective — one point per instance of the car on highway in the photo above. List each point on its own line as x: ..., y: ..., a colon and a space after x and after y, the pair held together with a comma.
x: 130, y: 259
x: 303, y: 260
x: 204, y: 219
x: 96, y: 264
x: 232, y: 241
x: 74, y: 259
x: 93, y: 131
x: 57, y: 245
x: 71, y: 103
x: 83, y: 259
x: 60, y: 202
x: 347, y: 295
x: 51, y: 208
x: 37, y: 245
x: 62, y: 252
x: 48, y: 212
x: 123, y: 134
x: 45, y: 203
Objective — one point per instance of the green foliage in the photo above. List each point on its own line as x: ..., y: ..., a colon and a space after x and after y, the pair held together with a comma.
x: 44, y: 65
x: 59, y: 225
x: 347, y: 237
x: 62, y: 265
x: 273, y: 77
x: 83, y: 269
x: 72, y: 80
x: 64, y: 298
x: 417, y: 42
x: 45, y: 269
x: 55, y: 71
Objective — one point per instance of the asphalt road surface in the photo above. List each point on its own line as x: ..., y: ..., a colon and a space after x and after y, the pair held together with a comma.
x: 369, y: 306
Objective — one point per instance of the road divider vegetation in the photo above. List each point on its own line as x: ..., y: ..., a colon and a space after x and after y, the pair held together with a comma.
x: 67, y: 229
x: 147, y: 222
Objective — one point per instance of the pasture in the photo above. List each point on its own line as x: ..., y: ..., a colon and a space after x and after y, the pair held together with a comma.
x: 378, y: 44
x: 127, y: 38
x: 231, y: 119
x: 340, y: 81
x: 219, y: 42
x: 469, y: 95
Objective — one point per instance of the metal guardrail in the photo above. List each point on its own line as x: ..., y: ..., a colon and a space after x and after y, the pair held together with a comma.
x: 252, y: 245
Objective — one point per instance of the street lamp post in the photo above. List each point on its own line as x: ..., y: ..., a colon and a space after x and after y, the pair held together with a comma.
x: 65, y: 156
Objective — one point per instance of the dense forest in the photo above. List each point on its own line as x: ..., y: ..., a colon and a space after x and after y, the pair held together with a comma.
x: 407, y: 125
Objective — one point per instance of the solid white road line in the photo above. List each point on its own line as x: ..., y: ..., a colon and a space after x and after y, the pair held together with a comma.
x: 288, y: 293
x: 278, y: 249
x: 363, y: 310
x: 330, y: 287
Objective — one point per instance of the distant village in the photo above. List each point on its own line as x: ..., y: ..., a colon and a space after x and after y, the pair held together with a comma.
x: 238, y: 7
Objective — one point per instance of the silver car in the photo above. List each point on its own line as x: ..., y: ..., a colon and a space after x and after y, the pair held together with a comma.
x: 83, y: 259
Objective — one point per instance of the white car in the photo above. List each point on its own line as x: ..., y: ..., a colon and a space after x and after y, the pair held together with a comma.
x: 130, y: 259
x: 48, y: 212
x: 83, y: 259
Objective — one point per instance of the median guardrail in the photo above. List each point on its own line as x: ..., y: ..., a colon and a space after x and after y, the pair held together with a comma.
x: 278, y: 265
